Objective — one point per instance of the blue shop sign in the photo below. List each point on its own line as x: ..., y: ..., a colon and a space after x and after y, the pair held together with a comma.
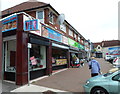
x: 9, y: 23
x: 31, y: 25
x: 54, y: 35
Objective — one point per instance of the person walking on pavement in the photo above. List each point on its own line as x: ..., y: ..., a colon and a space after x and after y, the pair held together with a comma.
x: 94, y: 66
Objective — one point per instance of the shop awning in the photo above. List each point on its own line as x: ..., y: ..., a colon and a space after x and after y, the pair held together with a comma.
x: 38, y: 40
x: 60, y: 46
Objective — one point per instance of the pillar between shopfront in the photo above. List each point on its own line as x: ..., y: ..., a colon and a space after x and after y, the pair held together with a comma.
x: 68, y: 59
x: 0, y: 50
x: 21, y: 53
x: 49, y: 59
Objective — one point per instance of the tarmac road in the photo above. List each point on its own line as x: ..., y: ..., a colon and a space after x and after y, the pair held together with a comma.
x: 72, y: 79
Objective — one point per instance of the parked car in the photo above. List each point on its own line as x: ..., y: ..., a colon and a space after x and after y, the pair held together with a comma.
x: 111, y: 59
x: 116, y: 62
x: 107, y: 57
x: 108, y: 83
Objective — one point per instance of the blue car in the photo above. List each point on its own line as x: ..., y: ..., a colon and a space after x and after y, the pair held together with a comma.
x: 108, y: 83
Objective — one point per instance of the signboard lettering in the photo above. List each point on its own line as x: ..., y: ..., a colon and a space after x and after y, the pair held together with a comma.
x: 9, y: 23
x: 31, y: 25
x: 51, y: 34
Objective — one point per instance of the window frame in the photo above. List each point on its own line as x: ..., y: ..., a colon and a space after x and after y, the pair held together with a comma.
x: 75, y: 36
x: 63, y: 27
x: 70, y: 33
x: 79, y: 38
x: 51, y: 17
x: 41, y: 20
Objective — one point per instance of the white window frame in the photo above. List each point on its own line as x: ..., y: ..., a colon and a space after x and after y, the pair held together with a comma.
x: 63, y: 27
x: 70, y: 32
x: 79, y: 38
x: 52, y: 22
x: 75, y: 35
x: 41, y: 20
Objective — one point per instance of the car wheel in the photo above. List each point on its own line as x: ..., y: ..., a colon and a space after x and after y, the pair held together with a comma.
x: 99, y: 91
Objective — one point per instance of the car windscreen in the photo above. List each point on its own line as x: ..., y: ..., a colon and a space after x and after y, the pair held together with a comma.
x: 107, y: 74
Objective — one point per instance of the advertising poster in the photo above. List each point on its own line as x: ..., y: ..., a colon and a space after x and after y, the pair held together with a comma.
x: 33, y: 60
x: 114, y: 51
x: 61, y: 61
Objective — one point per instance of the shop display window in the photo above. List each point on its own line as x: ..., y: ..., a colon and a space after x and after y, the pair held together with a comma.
x: 59, y: 57
x: 10, y: 55
x: 37, y: 57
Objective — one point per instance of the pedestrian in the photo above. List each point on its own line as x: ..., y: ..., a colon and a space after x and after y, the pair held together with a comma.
x: 94, y: 66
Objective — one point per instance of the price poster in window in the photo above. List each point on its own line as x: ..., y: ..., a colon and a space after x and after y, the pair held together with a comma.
x: 33, y: 60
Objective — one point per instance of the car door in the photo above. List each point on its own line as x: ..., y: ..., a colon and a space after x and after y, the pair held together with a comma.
x: 115, y: 84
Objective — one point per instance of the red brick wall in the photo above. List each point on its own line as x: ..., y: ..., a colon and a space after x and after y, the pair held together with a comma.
x: 32, y: 13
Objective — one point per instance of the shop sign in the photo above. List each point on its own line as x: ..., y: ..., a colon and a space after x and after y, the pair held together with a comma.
x: 81, y: 46
x: 9, y: 23
x: 51, y: 34
x: 61, y: 61
x: 114, y: 51
x: 31, y: 25
x: 72, y: 43
x: 59, y: 46
x: 65, y: 40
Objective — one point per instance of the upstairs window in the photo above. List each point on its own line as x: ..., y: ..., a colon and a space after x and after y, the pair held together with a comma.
x: 63, y: 27
x: 40, y: 16
x: 75, y: 36
x: 70, y: 32
x: 51, y: 17
x: 79, y: 39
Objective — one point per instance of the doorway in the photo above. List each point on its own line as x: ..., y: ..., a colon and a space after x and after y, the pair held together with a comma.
x: 9, y: 59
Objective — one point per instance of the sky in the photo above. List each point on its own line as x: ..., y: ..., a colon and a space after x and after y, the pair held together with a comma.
x: 96, y: 20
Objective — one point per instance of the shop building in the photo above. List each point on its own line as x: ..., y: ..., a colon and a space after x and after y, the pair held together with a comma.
x: 34, y: 44
x: 109, y: 47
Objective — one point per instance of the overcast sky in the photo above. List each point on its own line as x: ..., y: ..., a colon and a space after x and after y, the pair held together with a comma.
x: 96, y: 20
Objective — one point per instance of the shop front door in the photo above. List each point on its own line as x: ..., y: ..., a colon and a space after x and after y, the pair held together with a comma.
x: 9, y: 60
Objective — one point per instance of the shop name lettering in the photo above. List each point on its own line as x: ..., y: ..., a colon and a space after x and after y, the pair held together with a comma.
x: 8, y: 20
x: 31, y: 25
x: 52, y: 36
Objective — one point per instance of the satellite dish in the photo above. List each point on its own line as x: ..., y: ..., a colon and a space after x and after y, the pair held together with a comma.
x: 60, y: 19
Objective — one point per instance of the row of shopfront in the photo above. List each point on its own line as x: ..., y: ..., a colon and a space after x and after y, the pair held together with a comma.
x: 29, y: 46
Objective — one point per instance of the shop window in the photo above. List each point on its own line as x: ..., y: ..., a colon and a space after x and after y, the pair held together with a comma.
x: 70, y: 32
x: 37, y: 57
x: 40, y: 16
x: 59, y: 57
x: 10, y: 55
x: 51, y: 17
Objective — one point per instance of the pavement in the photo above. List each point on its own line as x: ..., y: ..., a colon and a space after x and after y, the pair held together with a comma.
x: 70, y: 80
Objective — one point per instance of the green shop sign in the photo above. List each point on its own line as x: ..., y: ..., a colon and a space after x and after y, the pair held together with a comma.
x: 72, y: 43
x: 75, y: 44
x: 81, y: 46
